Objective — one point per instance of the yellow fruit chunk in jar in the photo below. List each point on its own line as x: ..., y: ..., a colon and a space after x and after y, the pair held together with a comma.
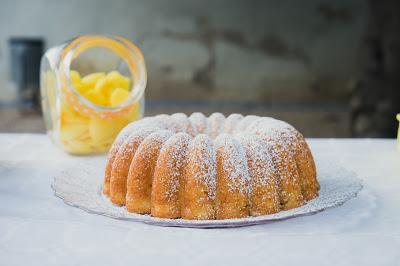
x: 103, y: 87
x: 118, y: 96
x: 100, y: 87
x: 104, y: 130
x: 78, y: 146
x: 73, y: 131
x: 91, y: 79
x: 96, y: 98
x: 72, y: 125
x: 75, y: 77
x: 81, y: 134
x: 77, y: 82
x: 116, y: 80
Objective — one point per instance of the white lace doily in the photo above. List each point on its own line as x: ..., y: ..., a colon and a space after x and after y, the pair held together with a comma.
x: 81, y: 185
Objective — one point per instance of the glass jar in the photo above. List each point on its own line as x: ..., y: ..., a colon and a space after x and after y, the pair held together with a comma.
x: 91, y: 87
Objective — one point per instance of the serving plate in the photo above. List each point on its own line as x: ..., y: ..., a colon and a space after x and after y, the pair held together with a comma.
x: 81, y: 186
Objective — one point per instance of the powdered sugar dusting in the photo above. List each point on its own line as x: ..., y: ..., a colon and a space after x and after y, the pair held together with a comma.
x: 268, y: 123
x: 262, y: 157
x: 127, y: 149
x: 177, y: 146
x: 177, y: 122
x: 266, y: 142
x: 234, y: 161
x: 231, y: 122
x: 276, y: 131
x: 179, y: 143
x: 149, y: 122
x: 258, y: 151
x: 242, y: 125
x: 200, y: 122
x: 207, y: 171
x: 151, y: 143
x: 216, y: 123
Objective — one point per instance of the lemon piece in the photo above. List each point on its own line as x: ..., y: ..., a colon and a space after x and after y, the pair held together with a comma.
x: 102, y: 145
x: 96, y: 98
x: 103, y: 87
x: 102, y: 130
x: 81, y: 88
x: 73, y: 131
x: 73, y: 119
x: 68, y: 115
x: 82, y: 135
x: 116, y: 80
x: 118, y: 96
x: 77, y: 147
x: 75, y: 77
x: 85, y: 136
x: 91, y: 79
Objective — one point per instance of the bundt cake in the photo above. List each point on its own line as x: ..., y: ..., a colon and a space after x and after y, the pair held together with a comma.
x: 205, y: 168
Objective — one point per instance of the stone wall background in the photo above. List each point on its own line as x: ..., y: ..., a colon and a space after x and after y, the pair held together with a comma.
x: 297, y: 60
x: 376, y: 98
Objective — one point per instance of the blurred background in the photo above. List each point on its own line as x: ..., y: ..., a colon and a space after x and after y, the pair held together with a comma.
x: 330, y: 68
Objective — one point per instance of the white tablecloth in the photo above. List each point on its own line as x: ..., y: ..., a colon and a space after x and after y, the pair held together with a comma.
x: 36, y: 228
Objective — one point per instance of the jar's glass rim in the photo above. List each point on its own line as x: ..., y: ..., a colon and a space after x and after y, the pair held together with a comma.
x: 137, y: 87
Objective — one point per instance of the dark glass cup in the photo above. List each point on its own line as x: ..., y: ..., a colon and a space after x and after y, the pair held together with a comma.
x: 25, y: 55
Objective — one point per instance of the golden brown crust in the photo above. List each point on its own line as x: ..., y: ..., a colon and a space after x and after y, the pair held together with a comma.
x: 293, y: 155
x: 140, y: 176
x: 232, y: 199
x: 200, y: 181
x: 107, y: 172
x: 173, y: 176
x: 121, y: 165
x: 133, y: 128
x: 166, y: 196
x: 264, y: 195
x: 288, y: 177
x: 289, y: 181
x: 306, y: 168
